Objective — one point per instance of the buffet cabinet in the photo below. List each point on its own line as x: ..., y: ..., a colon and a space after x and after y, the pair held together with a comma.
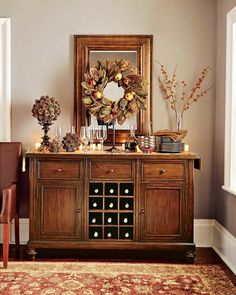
x: 112, y: 201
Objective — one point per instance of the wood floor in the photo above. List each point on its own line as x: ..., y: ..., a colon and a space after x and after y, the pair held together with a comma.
x: 203, y: 256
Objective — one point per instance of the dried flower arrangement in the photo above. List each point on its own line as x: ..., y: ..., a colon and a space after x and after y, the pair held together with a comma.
x: 122, y: 73
x: 176, y: 92
x: 46, y: 109
x: 70, y: 142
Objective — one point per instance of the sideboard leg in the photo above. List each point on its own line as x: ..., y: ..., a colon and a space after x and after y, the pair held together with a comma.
x: 32, y: 253
x: 190, y: 255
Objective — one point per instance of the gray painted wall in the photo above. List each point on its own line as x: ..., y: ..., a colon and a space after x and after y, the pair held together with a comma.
x: 184, y: 34
x: 225, y: 203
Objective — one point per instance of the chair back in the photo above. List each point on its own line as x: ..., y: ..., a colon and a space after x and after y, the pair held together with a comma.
x: 10, y: 163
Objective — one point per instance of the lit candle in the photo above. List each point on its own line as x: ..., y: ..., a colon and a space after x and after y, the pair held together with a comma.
x: 99, y: 147
x: 138, y: 149
x: 186, y: 147
x: 93, y: 146
x: 37, y: 145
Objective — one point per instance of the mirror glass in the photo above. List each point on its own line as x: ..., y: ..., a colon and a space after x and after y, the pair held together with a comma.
x: 91, y: 48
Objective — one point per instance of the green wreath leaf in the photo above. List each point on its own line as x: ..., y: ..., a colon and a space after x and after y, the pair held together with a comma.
x: 85, y: 85
x: 87, y: 100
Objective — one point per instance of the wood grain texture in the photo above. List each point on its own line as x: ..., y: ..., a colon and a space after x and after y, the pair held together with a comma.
x: 162, y: 212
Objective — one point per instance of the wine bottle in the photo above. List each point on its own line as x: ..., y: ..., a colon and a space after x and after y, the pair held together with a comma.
x: 95, y: 204
x: 94, y: 220
x: 125, y: 220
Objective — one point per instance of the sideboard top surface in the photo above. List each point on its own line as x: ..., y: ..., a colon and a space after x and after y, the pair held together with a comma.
x: 107, y: 156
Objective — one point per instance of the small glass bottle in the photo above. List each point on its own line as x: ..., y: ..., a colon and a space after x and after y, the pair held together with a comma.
x: 130, y: 144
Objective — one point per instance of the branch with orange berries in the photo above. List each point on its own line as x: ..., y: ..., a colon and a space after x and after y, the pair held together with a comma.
x: 176, y: 92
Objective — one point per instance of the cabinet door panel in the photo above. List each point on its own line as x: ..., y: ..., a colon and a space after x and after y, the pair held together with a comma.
x: 60, y: 214
x: 162, y: 212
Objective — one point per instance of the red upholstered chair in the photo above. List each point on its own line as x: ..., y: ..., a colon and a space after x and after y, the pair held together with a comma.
x: 10, y: 169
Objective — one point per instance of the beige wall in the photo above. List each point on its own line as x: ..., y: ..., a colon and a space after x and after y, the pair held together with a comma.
x: 42, y: 61
x: 225, y: 209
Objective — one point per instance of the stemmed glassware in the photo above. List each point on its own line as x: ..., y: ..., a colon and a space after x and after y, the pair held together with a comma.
x: 92, y: 135
x: 58, y: 133
x: 84, y: 137
x: 102, y: 134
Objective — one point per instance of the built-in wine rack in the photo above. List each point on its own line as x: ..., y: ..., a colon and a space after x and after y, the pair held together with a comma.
x: 111, y: 210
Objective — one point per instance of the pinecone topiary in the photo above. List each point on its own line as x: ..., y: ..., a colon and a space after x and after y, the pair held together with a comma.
x: 70, y: 142
x: 55, y: 146
x: 46, y: 109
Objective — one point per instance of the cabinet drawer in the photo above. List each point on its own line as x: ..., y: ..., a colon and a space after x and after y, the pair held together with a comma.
x: 163, y: 170
x: 58, y: 170
x: 110, y: 170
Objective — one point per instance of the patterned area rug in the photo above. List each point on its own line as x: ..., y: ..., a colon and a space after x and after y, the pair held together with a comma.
x: 90, y: 278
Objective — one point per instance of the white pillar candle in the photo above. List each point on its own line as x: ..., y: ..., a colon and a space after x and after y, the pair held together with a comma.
x: 99, y: 147
x: 186, y: 147
x: 37, y: 145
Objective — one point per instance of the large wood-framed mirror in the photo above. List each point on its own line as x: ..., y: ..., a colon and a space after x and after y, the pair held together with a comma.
x: 90, y: 48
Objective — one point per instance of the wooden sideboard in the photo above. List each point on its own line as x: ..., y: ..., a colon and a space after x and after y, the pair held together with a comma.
x: 112, y: 201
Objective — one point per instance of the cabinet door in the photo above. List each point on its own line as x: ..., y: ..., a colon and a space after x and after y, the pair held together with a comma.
x: 58, y: 212
x: 162, y: 212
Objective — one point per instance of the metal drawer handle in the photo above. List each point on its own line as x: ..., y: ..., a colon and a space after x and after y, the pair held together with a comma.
x: 59, y: 170
x: 163, y: 171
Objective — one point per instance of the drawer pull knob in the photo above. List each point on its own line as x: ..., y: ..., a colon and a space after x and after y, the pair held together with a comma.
x: 96, y: 191
x: 127, y: 205
x: 109, y: 235
x: 95, y: 234
x: 109, y: 220
x: 95, y: 205
x: 111, y: 171
x: 111, y: 191
x: 142, y: 211
x: 111, y: 205
x: 163, y: 171
x: 94, y: 220
x: 126, y: 235
x: 126, y: 191
x: 59, y: 170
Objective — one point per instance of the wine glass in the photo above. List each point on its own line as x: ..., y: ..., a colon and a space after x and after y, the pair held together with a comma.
x: 58, y: 133
x: 84, y: 136
x: 102, y: 134
x: 92, y: 135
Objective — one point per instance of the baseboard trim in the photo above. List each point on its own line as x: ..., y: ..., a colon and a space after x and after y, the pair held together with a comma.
x: 24, y: 231
x: 203, y: 232
x: 224, y: 245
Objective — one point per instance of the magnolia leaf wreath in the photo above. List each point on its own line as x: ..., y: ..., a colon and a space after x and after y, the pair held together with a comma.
x: 125, y: 75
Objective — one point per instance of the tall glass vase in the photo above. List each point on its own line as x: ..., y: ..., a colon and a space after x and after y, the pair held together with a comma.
x: 179, y: 120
